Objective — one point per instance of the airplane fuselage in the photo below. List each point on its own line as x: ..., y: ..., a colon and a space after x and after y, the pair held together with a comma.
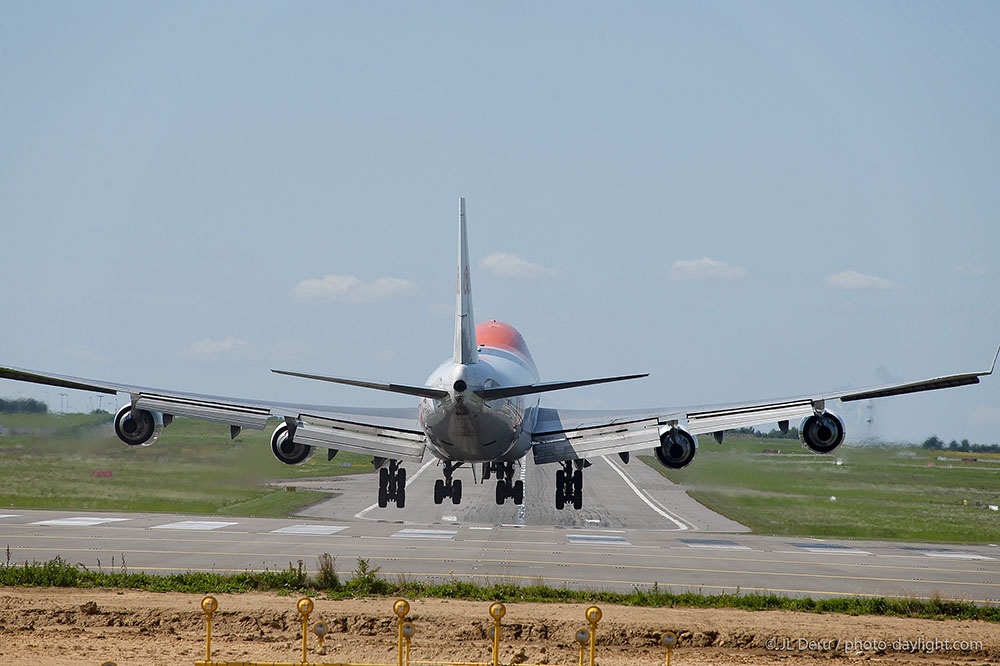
x: 464, y: 427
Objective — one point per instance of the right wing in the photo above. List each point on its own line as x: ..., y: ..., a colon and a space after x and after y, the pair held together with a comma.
x: 561, y: 434
x: 387, y: 433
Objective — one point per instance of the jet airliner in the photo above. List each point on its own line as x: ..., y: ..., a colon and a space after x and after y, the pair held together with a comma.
x: 481, y: 407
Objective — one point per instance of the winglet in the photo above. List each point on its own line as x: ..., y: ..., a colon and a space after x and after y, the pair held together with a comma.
x: 992, y: 367
x: 465, y: 323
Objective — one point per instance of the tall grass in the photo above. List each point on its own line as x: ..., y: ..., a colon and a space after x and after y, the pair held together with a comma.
x: 366, y: 582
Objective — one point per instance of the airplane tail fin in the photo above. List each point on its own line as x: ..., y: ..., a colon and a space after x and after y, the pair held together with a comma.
x: 465, y: 323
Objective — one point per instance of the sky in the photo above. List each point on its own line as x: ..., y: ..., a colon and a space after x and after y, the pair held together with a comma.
x: 746, y: 200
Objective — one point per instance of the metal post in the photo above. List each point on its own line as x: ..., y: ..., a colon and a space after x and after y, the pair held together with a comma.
x: 400, y: 608
x: 669, y: 641
x: 593, y: 617
x: 582, y: 637
x: 305, y: 607
x: 208, y: 605
x: 497, y: 611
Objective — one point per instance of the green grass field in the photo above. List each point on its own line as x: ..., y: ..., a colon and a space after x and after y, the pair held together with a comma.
x: 882, y: 492
x: 194, y: 468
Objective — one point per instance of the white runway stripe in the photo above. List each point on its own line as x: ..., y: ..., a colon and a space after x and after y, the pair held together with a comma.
x: 606, y: 539
x: 197, y: 525
x: 425, y: 534
x: 79, y: 521
x: 316, y: 530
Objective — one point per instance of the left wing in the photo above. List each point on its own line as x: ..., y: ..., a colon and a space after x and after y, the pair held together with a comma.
x: 561, y: 434
x: 389, y: 433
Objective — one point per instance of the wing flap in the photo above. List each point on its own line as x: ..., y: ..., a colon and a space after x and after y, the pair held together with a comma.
x: 593, y: 441
x: 740, y: 416
x: 359, y: 438
x: 243, y: 416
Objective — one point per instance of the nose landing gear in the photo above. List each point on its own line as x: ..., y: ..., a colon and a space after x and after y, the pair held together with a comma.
x: 392, y: 485
x: 448, y: 487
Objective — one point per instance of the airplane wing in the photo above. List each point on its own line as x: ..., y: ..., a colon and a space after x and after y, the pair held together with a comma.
x: 561, y: 434
x: 384, y: 432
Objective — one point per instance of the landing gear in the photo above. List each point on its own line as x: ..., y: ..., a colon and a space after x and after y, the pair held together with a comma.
x: 392, y: 485
x: 507, y: 488
x: 569, y: 486
x: 448, y: 487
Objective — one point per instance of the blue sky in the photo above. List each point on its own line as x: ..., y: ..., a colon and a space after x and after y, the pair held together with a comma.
x: 747, y: 200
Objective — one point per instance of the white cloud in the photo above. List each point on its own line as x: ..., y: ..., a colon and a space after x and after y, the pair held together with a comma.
x: 211, y: 348
x: 505, y: 264
x: 349, y: 289
x: 970, y: 270
x: 705, y: 269
x: 856, y: 280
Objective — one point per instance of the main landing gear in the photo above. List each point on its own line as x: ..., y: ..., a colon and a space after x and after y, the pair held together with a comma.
x: 448, y: 487
x: 507, y: 488
x: 569, y: 486
x: 392, y: 485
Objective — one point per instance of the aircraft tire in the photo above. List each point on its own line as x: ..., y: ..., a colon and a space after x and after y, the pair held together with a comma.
x: 439, y: 491
x: 519, y: 492
x: 383, y: 497
x: 486, y: 471
x: 401, y: 497
x: 501, y: 492
x: 560, y: 489
x: 456, y: 491
x: 578, y: 489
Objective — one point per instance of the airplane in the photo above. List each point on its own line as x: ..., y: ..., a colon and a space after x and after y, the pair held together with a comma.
x: 482, y: 406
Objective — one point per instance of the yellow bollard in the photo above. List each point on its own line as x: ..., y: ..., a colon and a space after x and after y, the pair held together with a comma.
x: 408, y: 631
x: 305, y: 607
x: 209, y: 606
x: 593, y: 617
x: 669, y: 641
x: 497, y: 611
x: 400, y: 608
x: 582, y: 637
x: 321, y: 630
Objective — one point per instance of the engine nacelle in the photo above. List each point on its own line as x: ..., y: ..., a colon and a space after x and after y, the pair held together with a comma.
x: 287, y: 450
x: 677, y: 448
x: 137, y: 427
x: 822, y: 433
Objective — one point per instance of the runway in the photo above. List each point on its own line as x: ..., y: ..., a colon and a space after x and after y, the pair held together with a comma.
x: 636, y: 530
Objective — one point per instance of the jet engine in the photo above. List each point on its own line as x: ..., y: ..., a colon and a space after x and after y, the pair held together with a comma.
x: 822, y: 433
x: 285, y: 449
x: 137, y: 427
x: 677, y: 448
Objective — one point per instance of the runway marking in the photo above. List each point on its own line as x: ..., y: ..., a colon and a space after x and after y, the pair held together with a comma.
x: 449, y: 519
x: 641, y: 495
x: 825, y: 548
x: 197, y: 525
x: 78, y: 521
x: 955, y: 555
x: 318, y: 530
x: 425, y: 534
x: 477, y: 527
x: 10, y: 515
x: 713, y: 543
x: 409, y: 480
x: 598, y: 538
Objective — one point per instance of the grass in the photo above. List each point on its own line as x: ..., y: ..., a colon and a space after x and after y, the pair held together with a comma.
x: 194, y: 468
x: 366, y: 582
x: 882, y: 492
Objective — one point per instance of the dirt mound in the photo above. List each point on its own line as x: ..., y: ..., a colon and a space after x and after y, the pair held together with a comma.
x: 60, y: 626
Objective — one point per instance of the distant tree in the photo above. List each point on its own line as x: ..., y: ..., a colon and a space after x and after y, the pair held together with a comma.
x: 23, y: 406
x: 933, y: 442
